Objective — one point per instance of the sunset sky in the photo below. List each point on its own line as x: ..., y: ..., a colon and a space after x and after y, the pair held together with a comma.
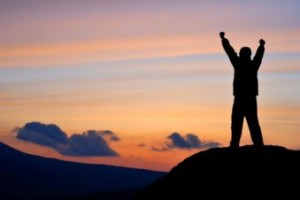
x: 150, y: 73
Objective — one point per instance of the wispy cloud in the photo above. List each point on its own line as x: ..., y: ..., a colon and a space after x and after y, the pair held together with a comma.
x: 96, y: 50
x: 89, y: 143
x: 189, y: 141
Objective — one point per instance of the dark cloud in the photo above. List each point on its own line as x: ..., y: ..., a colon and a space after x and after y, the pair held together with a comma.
x: 160, y: 149
x: 108, y: 134
x: 89, y: 143
x: 47, y: 135
x: 189, y: 141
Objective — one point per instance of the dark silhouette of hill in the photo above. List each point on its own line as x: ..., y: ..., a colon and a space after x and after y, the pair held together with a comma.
x: 242, y: 173
x: 24, y: 176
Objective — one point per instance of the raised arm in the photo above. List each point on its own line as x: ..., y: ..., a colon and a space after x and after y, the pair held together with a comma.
x: 259, y: 53
x: 229, y: 49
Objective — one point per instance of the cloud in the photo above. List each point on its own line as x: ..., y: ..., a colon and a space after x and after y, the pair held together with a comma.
x: 47, y: 135
x: 189, y: 141
x: 108, y: 133
x: 160, y: 149
x: 89, y: 143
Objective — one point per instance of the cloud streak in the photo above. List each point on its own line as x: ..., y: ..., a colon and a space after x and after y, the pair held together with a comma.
x: 189, y: 141
x: 89, y: 143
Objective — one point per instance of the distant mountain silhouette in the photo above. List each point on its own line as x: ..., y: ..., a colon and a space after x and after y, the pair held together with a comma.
x: 24, y: 176
x: 223, y: 173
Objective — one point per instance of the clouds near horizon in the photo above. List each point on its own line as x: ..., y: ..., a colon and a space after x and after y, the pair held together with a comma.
x: 189, y: 141
x: 89, y: 143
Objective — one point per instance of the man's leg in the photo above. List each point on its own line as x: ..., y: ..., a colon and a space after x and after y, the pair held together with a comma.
x: 252, y: 120
x: 236, y: 123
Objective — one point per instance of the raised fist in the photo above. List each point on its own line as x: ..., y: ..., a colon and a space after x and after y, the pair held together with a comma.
x: 222, y: 35
x: 262, y: 42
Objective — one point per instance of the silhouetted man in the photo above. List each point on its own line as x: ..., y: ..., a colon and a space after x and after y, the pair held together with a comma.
x: 245, y: 90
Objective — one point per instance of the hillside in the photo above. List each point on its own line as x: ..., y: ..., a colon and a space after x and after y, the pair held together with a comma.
x: 244, y: 173
x: 25, y: 176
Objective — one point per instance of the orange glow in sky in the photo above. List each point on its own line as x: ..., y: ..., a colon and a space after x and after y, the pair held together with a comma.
x: 144, y: 70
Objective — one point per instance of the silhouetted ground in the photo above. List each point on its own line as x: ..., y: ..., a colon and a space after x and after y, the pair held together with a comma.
x: 28, y: 177
x: 243, y: 173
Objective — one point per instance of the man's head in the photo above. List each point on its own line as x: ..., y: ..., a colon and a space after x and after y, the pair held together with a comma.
x: 245, y: 53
